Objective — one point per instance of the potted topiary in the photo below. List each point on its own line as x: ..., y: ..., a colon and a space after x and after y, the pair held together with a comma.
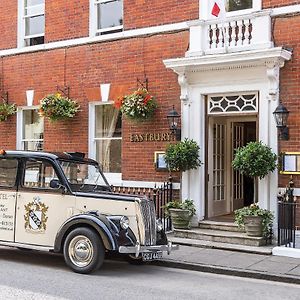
x: 181, y: 213
x: 255, y: 220
x: 255, y: 160
x: 183, y: 156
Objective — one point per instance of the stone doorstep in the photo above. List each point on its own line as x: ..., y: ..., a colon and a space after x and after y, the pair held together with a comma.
x: 263, y: 250
x: 220, y: 236
x: 215, y: 225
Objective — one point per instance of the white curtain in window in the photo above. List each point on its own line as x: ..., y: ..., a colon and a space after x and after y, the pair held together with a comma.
x: 109, y: 122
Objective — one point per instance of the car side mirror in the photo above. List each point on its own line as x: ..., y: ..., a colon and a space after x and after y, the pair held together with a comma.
x: 55, y: 184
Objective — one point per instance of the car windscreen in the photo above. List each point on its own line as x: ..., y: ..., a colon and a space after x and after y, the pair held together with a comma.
x: 83, y: 176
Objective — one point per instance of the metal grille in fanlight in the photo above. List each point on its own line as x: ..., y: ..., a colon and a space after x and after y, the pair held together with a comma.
x: 149, y: 219
x: 232, y: 104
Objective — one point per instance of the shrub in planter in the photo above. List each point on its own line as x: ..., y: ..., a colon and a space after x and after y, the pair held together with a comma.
x: 255, y: 220
x: 138, y: 106
x: 255, y: 160
x: 58, y: 107
x: 183, y: 156
x: 7, y: 110
x: 181, y: 213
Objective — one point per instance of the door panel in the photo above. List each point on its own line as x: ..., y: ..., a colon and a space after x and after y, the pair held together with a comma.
x: 40, y: 215
x: 217, y: 169
x: 237, y: 179
x: 41, y: 210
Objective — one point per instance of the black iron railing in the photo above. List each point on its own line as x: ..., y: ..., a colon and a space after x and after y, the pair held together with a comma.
x: 287, y: 218
x: 161, y: 196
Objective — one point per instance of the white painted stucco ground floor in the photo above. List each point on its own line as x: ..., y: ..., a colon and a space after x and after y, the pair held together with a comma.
x: 227, y: 99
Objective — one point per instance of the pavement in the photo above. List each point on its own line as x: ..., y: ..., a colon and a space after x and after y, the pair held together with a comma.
x: 220, y: 261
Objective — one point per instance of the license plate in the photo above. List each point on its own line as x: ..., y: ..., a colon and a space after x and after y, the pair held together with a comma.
x: 152, y: 255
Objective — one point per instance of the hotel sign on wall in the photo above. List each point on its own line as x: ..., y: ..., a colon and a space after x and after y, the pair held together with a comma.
x: 290, y: 163
x: 151, y: 137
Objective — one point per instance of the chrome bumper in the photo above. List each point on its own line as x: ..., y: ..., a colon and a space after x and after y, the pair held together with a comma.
x: 137, y: 249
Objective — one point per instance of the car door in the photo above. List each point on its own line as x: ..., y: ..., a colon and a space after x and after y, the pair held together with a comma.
x: 8, y: 190
x: 41, y: 210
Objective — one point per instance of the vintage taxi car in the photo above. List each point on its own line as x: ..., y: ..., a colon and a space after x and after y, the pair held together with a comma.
x: 61, y: 202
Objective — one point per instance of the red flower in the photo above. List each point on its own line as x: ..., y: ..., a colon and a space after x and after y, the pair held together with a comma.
x: 147, y: 98
x: 118, y: 103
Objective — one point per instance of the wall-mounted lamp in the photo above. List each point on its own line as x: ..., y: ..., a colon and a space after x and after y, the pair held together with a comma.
x: 281, y: 114
x: 173, y: 119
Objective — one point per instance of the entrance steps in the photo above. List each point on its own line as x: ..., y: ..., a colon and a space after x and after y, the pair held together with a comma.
x: 220, y: 235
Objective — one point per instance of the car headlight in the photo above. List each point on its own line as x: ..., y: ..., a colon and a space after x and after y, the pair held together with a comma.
x: 159, y: 225
x: 124, y: 222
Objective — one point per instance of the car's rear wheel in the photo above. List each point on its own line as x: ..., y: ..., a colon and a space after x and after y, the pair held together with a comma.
x: 83, y: 250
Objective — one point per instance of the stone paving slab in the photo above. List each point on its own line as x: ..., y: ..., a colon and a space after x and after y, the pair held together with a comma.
x: 284, y: 269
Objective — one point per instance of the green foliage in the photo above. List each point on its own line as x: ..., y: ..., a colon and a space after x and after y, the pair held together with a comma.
x: 138, y: 106
x: 186, y: 204
x: 57, y: 107
x: 254, y: 210
x: 6, y: 110
x: 183, y: 156
x: 255, y: 160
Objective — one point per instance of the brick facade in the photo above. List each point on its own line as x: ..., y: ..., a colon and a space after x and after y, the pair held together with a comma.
x: 121, y: 62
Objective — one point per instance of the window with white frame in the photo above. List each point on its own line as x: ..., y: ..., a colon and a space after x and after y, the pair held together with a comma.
x: 106, y: 16
x: 234, y: 5
x: 30, y: 130
x: 106, y: 139
x: 31, y: 22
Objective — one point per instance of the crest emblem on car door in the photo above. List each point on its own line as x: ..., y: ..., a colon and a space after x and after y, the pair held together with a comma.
x: 35, y: 216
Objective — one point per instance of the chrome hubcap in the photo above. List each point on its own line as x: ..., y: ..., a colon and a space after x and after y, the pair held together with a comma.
x: 81, y: 251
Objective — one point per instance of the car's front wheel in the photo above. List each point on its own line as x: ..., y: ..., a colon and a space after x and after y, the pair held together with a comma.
x: 83, y: 250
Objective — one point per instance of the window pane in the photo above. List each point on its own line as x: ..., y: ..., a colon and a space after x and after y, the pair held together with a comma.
x: 38, y: 174
x: 108, y: 153
x: 110, y: 14
x: 34, y: 2
x: 35, y: 25
x: 33, y: 125
x: 239, y: 4
x: 34, y: 146
x: 8, y: 172
x: 108, y: 122
x: 35, y: 10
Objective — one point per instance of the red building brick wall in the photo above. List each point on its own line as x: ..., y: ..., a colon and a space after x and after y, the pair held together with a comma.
x: 278, y: 3
x: 286, y: 33
x: 143, y: 13
x: 66, y: 19
x: 119, y: 63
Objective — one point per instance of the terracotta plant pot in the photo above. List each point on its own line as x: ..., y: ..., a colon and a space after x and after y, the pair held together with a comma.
x: 180, y: 218
x: 253, y: 225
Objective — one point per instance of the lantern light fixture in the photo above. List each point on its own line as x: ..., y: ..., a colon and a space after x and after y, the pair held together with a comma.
x: 281, y: 115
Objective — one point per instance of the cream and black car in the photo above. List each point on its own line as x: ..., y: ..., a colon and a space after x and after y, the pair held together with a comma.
x: 61, y: 202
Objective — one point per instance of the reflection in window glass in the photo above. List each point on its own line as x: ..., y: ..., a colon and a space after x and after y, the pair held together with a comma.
x: 38, y: 174
x: 8, y: 172
x: 234, y: 5
x: 109, y: 14
x: 34, y: 22
x: 33, y: 130
x: 108, y: 138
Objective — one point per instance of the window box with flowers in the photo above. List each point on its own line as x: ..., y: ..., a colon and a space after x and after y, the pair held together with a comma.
x: 58, y: 107
x: 138, y: 106
x: 6, y: 110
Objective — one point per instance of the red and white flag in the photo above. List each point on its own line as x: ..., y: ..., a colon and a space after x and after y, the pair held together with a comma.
x: 218, y: 8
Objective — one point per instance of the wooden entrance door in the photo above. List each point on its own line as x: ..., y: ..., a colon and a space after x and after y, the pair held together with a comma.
x: 217, y: 181
x: 237, y: 179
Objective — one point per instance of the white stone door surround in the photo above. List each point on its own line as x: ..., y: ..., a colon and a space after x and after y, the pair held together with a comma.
x: 247, y: 71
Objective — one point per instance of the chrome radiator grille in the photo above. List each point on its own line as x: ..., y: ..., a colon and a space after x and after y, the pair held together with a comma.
x: 149, y: 219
